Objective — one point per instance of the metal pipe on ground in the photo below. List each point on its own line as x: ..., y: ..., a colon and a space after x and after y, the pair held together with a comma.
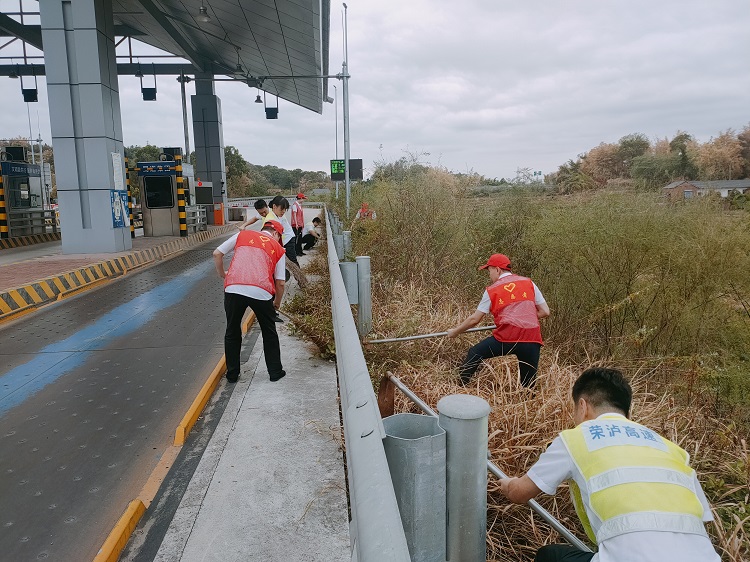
x: 492, y: 467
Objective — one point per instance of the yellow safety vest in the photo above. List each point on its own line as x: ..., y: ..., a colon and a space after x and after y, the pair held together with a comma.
x: 632, y: 479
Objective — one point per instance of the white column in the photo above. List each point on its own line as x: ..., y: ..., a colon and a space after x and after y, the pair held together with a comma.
x: 84, y: 103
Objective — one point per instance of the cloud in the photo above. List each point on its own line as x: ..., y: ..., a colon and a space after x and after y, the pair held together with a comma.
x: 488, y: 85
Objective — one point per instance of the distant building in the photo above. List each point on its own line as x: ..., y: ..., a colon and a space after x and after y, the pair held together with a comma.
x: 685, y: 189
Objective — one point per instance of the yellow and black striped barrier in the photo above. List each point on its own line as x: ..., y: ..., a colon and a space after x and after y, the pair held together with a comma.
x: 4, y: 230
x: 20, y: 299
x: 31, y: 239
x: 180, y: 195
x: 130, y: 198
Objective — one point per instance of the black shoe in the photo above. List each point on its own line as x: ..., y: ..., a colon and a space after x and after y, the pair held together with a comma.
x: 232, y: 379
x: 281, y: 376
x: 278, y: 318
x: 301, y: 254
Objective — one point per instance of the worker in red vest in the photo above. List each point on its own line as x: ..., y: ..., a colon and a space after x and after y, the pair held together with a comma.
x: 517, y: 305
x: 255, y: 279
x: 298, y: 222
x: 365, y: 212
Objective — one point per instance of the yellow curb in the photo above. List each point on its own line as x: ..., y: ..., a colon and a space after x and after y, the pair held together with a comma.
x: 151, y: 487
x: 187, y: 423
x: 118, y: 538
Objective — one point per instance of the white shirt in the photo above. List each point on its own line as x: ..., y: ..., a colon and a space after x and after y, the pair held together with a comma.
x: 309, y: 227
x: 484, y: 304
x: 288, y: 230
x: 556, y: 465
x: 248, y: 290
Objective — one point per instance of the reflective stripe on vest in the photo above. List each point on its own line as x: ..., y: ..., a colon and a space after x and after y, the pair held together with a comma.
x: 255, y: 257
x: 631, y: 479
x: 512, y: 304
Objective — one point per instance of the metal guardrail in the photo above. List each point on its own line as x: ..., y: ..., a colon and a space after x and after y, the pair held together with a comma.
x: 494, y: 469
x: 196, y: 218
x: 32, y: 221
x: 376, y: 531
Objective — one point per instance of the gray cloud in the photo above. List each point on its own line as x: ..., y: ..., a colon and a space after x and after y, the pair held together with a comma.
x: 488, y: 85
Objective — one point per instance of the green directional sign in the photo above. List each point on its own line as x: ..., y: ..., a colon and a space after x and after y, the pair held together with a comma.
x: 338, y: 170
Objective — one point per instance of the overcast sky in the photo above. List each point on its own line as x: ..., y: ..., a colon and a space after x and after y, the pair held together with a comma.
x: 482, y: 85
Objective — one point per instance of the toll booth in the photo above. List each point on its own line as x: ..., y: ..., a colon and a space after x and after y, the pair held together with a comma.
x: 158, y: 182
x: 23, y: 202
x: 159, y: 198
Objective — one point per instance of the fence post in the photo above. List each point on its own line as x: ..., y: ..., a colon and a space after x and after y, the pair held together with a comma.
x: 364, y: 310
x: 347, y: 242
x: 464, y: 419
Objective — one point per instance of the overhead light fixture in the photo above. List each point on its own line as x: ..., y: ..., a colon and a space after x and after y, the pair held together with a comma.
x: 13, y: 74
x: 139, y: 73
x: 239, y: 72
x: 203, y: 14
x: 257, y: 98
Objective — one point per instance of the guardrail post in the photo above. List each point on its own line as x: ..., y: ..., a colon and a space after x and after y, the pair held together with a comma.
x: 415, y: 448
x: 364, y: 283
x: 349, y: 274
x: 347, y: 242
x: 464, y: 419
x: 338, y: 244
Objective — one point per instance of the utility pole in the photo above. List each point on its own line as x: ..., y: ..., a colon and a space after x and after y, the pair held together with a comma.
x: 345, y: 80
x: 336, y: 95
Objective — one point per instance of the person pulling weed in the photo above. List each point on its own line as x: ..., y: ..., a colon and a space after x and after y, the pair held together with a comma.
x: 634, y: 490
x: 517, y: 305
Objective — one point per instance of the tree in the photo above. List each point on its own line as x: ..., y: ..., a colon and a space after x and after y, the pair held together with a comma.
x: 744, y: 138
x: 603, y: 163
x: 721, y: 158
x: 236, y: 165
x: 147, y: 153
x: 631, y: 146
x: 570, y: 178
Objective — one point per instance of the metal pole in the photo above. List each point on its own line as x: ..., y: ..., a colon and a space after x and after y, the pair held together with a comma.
x: 465, y: 421
x: 494, y: 469
x: 345, y: 80
x: 336, y: 94
x: 347, y: 242
x: 364, y: 310
x: 45, y: 201
x: 423, y: 336
x: 182, y: 79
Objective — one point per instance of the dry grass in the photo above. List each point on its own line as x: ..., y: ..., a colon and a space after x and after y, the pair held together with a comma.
x: 523, y: 423
x: 417, y: 290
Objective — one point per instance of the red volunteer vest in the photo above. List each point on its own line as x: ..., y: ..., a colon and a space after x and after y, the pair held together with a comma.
x: 513, y: 307
x: 298, y: 215
x: 255, y: 257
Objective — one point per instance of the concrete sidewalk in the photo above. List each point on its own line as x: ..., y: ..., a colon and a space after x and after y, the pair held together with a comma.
x: 270, y: 485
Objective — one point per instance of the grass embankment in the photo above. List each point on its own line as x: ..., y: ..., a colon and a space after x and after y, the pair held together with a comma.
x: 661, y: 291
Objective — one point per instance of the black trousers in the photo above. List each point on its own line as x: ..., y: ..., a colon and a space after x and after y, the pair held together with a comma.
x: 291, y: 250
x: 562, y: 553
x: 527, y: 353
x: 308, y: 240
x: 298, y: 239
x: 235, y: 306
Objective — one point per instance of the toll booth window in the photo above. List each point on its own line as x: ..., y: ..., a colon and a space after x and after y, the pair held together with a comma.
x: 159, y: 193
x: 20, y: 195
